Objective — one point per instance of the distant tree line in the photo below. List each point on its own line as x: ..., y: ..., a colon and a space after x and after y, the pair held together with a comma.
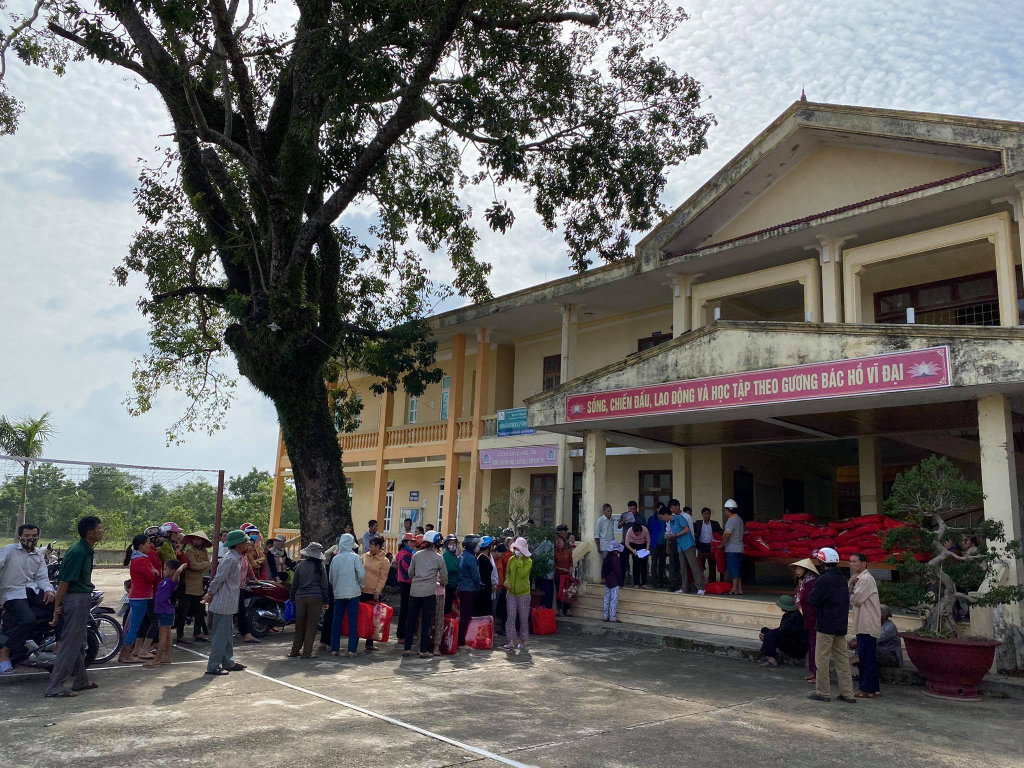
x: 127, y: 503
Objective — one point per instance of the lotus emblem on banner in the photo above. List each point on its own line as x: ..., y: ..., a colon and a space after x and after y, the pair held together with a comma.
x: 924, y: 370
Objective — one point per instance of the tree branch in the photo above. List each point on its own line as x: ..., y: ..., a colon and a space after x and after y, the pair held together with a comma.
x: 486, y: 22
x: 212, y: 292
x: 17, y: 30
x: 407, y: 114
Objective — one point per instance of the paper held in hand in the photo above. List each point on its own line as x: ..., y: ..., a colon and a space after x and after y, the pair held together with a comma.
x: 642, y: 553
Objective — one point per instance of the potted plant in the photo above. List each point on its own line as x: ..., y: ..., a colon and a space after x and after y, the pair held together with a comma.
x: 938, y: 564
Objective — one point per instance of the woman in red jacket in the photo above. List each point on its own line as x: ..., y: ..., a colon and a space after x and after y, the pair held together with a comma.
x: 144, y: 579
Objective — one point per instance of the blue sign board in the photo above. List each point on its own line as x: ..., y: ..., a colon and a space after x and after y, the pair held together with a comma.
x: 513, y: 422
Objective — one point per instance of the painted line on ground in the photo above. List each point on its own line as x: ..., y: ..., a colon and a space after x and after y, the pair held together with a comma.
x: 378, y: 716
x: 101, y: 669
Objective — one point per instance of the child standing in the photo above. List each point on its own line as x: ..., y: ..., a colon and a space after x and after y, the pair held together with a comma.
x: 611, y: 572
x: 164, y: 610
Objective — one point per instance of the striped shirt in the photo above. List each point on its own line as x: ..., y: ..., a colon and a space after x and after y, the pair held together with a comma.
x: 224, y: 586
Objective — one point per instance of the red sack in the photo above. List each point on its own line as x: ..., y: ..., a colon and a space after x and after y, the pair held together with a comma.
x: 720, y: 563
x: 480, y: 633
x: 543, y: 620
x: 382, y: 613
x: 717, y: 587
x: 449, y: 635
x: 800, y: 518
x: 364, y: 627
x: 568, y: 589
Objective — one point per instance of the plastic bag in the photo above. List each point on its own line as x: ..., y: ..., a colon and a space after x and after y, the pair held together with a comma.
x: 289, y: 610
x: 382, y: 613
x: 480, y: 633
x: 568, y: 589
x: 543, y: 620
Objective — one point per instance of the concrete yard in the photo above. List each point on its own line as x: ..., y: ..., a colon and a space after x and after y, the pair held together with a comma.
x: 569, y: 701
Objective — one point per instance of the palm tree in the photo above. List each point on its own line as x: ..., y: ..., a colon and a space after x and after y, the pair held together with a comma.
x: 25, y: 439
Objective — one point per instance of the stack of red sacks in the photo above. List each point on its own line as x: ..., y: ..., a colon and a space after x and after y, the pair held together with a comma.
x: 800, y: 535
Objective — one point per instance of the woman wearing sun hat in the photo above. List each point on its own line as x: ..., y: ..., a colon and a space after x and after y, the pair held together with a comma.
x: 806, y: 571
x: 197, y: 554
x: 517, y: 599
x: 789, y: 637
x: 309, y: 592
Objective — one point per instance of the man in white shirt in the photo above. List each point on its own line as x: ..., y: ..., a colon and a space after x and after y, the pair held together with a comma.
x: 25, y: 590
x: 604, y: 530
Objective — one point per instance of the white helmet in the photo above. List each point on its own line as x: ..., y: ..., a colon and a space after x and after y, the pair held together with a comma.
x: 431, y: 537
x: 826, y: 555
x: 731, y: 504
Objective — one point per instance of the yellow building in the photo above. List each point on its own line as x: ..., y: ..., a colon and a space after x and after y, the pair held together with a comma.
x: 840, y: 300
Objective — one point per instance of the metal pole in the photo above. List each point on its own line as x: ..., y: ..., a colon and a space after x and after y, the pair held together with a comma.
x: 216, y: 522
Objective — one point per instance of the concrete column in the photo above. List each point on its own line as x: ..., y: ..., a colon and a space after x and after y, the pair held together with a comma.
x: 999, y: 469
x: 595, y: 446
x: 852, y: 296
x: 707, y: 487
x: 1006, y: 281
x: 480, y: 397
x: 812, y: 297
x: 681, y: 475
x: 380, y: 475
x: 869, y: 457
x: 682, y: 310
x: 830, y: 258
x: 277, y: 496
x: 563, y: 494
x: 451, y: 459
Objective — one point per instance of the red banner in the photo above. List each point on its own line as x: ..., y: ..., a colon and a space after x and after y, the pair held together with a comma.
x: 895, y: 372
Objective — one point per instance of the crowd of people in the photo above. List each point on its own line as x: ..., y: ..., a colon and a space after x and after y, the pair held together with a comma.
x: 436, y: 578
x: 816, y: 624
x: 668, y: 550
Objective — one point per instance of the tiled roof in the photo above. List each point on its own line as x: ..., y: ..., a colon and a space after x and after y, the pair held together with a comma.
x: 850, y: 207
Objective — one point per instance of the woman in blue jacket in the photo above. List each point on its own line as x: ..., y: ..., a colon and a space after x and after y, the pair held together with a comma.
x: 469, y: 583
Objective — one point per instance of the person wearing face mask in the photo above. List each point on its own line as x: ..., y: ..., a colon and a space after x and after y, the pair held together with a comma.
x: 488, y: 577
x: 451, y: 564
x: 517, y: 582
x: 25, y: 590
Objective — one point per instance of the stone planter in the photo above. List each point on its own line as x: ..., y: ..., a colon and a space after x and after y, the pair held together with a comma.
x: 952, y: 667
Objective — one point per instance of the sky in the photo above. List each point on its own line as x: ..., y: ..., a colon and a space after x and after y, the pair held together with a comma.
x: 66, y: 180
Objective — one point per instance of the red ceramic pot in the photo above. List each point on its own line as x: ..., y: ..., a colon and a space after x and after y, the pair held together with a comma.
x: 952, y: 667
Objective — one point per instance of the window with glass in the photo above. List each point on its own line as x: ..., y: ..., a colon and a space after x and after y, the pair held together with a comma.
x: 446, y: 388
x: 413, y: 407
x: 389, y: 504
x: 543, y: 490
x: 968, y: 300
x: 655, y: 486
x: 552, y: 372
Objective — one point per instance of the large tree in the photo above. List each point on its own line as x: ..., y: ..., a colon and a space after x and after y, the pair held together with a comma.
x: 388, y: 107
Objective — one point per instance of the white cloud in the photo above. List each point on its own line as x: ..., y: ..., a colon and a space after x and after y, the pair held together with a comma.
x: 66, y: 221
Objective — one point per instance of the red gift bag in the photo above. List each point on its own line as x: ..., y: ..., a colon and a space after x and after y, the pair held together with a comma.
x: 450, y: 635
x: 568, y: 589
x: 543, y: 620
x: 720, y: 561
x: 382, y: 613
x: 480, y: 633
x: 364, y: 626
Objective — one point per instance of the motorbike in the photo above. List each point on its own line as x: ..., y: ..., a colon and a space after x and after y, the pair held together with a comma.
x: 263, y: 603
x: 103, y: 640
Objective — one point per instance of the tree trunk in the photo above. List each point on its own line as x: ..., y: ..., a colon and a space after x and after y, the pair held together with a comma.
x: 312, y: 445
x: 24, y: 495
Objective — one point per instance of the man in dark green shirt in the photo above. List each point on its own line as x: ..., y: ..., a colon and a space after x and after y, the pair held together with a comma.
x: 73, y: 606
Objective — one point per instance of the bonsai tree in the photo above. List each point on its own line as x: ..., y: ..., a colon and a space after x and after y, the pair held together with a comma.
x: 925, y: 497
x: 511, y: 509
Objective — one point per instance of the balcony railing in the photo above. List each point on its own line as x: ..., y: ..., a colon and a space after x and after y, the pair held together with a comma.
x: 464, y: 429
x: 490, y: 426
x: 418, y: 434
x: 360, y: 441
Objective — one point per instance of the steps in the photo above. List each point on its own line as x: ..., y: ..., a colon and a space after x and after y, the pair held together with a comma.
x: 721, y: 615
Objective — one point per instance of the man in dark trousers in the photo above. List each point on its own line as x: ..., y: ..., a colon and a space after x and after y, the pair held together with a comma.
x: 73, y: 606
x: 703, y: 530
x: 831, y: 596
